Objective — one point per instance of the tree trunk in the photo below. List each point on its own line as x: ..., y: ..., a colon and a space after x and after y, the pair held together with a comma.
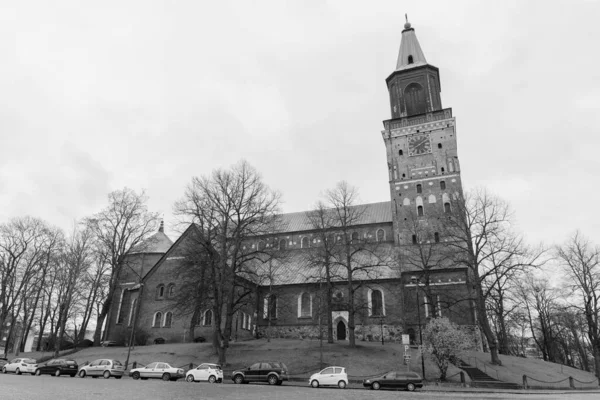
x: 485, y: 327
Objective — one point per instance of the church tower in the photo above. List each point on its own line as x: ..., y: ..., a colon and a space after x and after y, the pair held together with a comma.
x: 420, y: 141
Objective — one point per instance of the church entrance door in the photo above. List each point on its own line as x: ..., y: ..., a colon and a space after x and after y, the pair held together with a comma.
x: 341, y: 331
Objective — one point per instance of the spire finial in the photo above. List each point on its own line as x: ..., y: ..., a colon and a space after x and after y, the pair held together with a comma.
x: 407, y: 24
x: 162, y: 226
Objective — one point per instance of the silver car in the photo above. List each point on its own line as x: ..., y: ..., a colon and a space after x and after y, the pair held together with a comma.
x: 103, y: 367
x: 157, y: 370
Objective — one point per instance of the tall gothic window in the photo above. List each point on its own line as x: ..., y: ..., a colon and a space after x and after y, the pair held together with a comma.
x: 207, y: 318
x: 376, y: 303
x: 157, y: 318
x: 415, y: 99
x: 419, y: 189
x: 305, y: 305
x: 168, y: 319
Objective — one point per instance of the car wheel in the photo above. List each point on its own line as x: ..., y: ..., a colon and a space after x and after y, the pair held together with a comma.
x: 106, y: 374
x: 166, y: 376
x: 82, y: 374
x: 135, y: 375
x: 212, y: 379
x: 38, y: 372
x: 342, y: 385
x: 375, y: 385
x: 189, y: 378
x: 314, y: 383
x: 272, y: 379
x: 18, y: 371
x: 238, y: 379
x: 410, y: 387
x: 57, y: 372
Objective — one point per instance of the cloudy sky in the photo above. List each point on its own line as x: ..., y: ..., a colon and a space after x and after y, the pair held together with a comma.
x: 95, y: 96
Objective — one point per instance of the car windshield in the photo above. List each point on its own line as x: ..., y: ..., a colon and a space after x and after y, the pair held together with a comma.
x: 29, y: 360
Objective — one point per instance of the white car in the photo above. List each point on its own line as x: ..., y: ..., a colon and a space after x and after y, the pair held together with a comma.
x: 157, y: 370
x: 205, y: 373
x: 20, y: 365
x: 330, y: 376
x: 103, y: 367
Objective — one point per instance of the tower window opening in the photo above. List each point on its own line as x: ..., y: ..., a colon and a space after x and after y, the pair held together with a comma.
x: 443, y: 170
x: 420, y: 211
x: 410, y: 59
x: 414, y: 239
x: 439, y: 145
x: 419, y: 189
x: 436, y: 237
x: 404, y: 175
x: 399, y: 152
x: 447, y: 209
x: 443, y: 185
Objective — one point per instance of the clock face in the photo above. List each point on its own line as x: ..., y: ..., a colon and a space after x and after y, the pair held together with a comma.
x: 419, y: 144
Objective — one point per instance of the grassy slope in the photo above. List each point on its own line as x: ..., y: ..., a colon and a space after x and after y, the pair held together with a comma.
x: 302, y: 357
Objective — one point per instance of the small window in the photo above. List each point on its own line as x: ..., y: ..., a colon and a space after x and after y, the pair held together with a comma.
x: 160, y: 291
x: 436, y: 237
x: 168, y: 319
x: 414, y: 239
x: 262, y: 245
x: 443, y: 170
x: 447, y: 209
x: 157, y: 318
x: 305, y: 243
x: 380, y: 235
x: 420, y: 211
x: 207, y: 318
x: 354, y: 237
x: 282, y: 244
x: 171, y: 290
x: 376, y: 303
x: 419, y: 188
x: 443, y: 185
x: 410, y: 59
x: 439, y: 145
x: 399, y: 152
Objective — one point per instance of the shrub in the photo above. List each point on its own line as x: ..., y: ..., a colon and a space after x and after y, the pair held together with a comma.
x: 444, y: 342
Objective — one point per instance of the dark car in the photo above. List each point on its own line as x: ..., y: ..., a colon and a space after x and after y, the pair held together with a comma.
x: 3, y: 362
x: 58, y: 367
x: 395, y: 380
x: 272, y: 372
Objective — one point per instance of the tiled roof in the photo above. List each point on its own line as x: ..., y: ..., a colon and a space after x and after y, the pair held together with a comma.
x: 157, y: 243
x: 302, y: 266
x: 372, y: 213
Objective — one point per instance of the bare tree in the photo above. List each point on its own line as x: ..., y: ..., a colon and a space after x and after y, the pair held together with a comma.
x: 120, y: 230
x: 478, y: 228
x: 580, y: 261
x: 231, y: 209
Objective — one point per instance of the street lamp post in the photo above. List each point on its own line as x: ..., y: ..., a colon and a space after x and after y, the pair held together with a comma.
x: 381, y: 321
x: 415, y: 281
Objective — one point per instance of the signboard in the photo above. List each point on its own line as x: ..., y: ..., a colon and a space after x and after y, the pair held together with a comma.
x: 405, y: 339
x: 406, y: 348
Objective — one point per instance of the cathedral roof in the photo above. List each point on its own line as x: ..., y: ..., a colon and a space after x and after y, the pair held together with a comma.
x: 372, y: 213
x: 157, y: 243
x: 410, y: 47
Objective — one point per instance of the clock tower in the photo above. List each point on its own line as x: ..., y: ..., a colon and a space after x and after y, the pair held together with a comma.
x: 420, y: 141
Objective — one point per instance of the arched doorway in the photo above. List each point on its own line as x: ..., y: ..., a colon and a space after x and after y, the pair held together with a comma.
x: 341, y: 331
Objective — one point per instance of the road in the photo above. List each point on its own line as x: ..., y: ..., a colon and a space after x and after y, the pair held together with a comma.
x: 27, y: 387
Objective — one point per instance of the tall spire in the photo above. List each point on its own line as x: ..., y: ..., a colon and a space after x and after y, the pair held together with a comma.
x: 410, y: 54
x: 162, y: 226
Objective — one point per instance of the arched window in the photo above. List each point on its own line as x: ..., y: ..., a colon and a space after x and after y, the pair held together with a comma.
x: 262, y: 245
x: 439, y: 145
x: 282, y: 244
x: 168, y: 319
x: 305, y: 306
x: 447, y: 209
x: 406, y: 201
x: 160, y: 291
x: 420, y: 211
x: 415, y: 99
x: 380, y: 235
x: 419, y: 188
x: 270, y: 307
x: 399, y: 152
x: 450, y: 165
x: 305, y: 243
x: 157, y: 319
x: 120, y: 309
x: 410, y: 59
x: 354, y: 237
x: 443, y: 170
x: 432, y: 198
x: 414, y: 239
x: 436, y: 237
x: 443, y: 185
x: 171, y: 290
x: 376, y: 303
x: 207, y: 318
x: 132, y: 311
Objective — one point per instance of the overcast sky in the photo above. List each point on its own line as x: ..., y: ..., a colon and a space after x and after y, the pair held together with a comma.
x: 95, y: 96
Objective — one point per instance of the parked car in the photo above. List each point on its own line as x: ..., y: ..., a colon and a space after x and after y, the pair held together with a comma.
x: 272, y: 372
x: 205, y: 373
x: 103, y: 367
x: 159, y: 340
x: 330, y: 376
x: 200, y: 339
x: 20, y: 365
x: 3, y: 362
x: 108, y: 343
x: 58, y: 367
x: 395, y: 380
x: 158, y: 370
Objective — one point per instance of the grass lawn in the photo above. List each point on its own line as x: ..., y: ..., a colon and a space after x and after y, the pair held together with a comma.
x: 302, y: 358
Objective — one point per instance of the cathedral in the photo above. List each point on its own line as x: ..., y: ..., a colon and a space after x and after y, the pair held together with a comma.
x: 392, y: 298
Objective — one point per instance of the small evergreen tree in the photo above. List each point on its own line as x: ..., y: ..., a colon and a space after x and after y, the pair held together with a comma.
x: 444, y: 342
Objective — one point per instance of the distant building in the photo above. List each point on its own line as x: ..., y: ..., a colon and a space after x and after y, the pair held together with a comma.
x: 424, y: 173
